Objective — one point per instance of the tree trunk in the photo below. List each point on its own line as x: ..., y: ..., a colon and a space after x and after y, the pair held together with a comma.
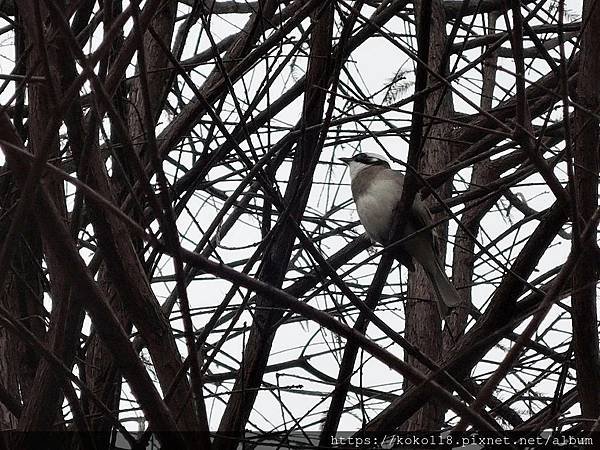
x: 423, y: 325
x: 585, y: 158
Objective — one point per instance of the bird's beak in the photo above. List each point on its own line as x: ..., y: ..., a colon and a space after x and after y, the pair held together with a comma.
x: 345, y: 160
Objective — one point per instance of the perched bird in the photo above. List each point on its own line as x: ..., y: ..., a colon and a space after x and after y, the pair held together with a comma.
x: 376, y: 189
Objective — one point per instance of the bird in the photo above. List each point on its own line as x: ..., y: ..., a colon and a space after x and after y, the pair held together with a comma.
x: 376, y: 190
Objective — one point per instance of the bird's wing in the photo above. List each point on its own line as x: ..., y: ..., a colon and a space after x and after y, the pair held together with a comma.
x: 420, y: 215
x: 423, y: 219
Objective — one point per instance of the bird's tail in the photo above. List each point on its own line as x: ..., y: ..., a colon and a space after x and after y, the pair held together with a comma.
x: 446, y: 293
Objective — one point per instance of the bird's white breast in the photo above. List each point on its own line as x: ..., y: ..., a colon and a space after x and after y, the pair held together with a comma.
x: 375, y: 206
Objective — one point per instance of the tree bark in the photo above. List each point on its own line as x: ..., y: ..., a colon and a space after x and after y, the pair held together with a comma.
x: 423, y: 326
x: 586, y: 165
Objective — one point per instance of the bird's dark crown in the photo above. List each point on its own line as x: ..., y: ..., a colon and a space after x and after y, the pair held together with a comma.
x: 370, y: 159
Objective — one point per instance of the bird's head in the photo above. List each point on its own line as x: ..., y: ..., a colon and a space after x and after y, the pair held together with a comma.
x: 361, y: 161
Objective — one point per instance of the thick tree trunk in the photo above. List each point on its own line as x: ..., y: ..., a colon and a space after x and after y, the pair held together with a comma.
x: 45, y: 396
x: 586, y: 166
x: 101, y: 372
x: 423, y: 325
